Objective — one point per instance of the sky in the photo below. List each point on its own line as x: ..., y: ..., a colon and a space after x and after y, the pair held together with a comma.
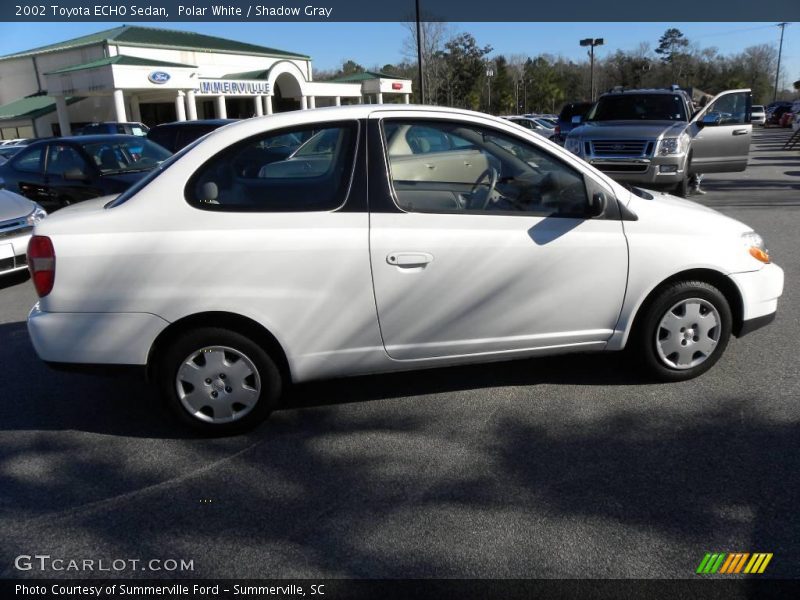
x: 376, y: 44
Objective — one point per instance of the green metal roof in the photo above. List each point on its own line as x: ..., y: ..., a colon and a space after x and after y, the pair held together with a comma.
x: 260, y: 74
x: 134, y: 35
x: 121, y: 59
x: 31, y: 107
x: 365, y: 75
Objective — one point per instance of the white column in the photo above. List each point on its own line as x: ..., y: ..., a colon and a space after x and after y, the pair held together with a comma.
x: 180, y: 106
x: 380, y: 98
x: 406, y: 98
x: 361, y: 99
x: 267, y: 105
x: 63, y: 116
x: 259, y: 106
x: 338, y: 100
x: 222, y: 111
x: 136, y: 113
x: 312, y: 102
x: 119, y: 106
x: 191, y: 106
x: 304, y: 102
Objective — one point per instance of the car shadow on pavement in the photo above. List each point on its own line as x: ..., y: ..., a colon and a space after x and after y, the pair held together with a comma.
x: 40, y: 398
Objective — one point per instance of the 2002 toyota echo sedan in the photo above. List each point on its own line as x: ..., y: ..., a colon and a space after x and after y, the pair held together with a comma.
x: 386, y: 238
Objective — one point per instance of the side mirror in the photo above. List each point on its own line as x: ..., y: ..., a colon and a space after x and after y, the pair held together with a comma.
x: 75, y: 174
x: 711, y: 119
x: 597, y: 205
x: 576, y: 120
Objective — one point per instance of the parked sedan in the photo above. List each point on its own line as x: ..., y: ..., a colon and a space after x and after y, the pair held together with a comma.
x: 417, y: 237
x: 536, y: 125
x: 61, y: 171
x: 18, y: 215
x: 177, y: 135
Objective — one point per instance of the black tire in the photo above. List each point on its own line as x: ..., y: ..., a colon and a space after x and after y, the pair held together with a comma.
x: 265, y: 380
x: 682, y: 187
x: 649, y: 338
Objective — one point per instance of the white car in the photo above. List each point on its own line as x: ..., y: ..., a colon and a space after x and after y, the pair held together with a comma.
x: 18, y: 215
x: 758, y: 115
x: 413, y: 237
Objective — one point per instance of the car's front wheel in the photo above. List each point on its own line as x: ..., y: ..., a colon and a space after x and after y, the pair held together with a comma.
x: 218, y: 382
x: 684, y: 331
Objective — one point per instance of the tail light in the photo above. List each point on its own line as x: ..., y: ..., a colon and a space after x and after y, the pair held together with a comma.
x: 42, y: 264
x: 558, y: 129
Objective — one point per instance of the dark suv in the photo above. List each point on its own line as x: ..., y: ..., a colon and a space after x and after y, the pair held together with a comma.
x: 564, y: 124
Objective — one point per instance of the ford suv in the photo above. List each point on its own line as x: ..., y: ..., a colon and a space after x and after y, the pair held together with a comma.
x: 655, y: 138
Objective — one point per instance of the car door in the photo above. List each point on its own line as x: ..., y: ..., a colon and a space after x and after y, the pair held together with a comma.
x: 509, y: 262
x: 721, y: 133
x: 61, y: 181
x: 25, y: 173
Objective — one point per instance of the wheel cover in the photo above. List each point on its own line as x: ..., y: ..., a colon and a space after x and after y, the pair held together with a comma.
x: 688, y: 333
x: 218, y: 384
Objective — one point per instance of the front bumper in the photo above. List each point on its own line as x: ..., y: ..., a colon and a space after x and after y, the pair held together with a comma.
x: 655, y: 172
x: 760, y: 291
x: 93, y: 338
x: 13, y: 253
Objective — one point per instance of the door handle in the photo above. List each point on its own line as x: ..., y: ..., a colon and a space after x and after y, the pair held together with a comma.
x: 740, y: 132
x: 409, y: 259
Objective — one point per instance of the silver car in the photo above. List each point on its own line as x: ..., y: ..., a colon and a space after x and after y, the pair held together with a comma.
x: 18, y: 215
x: 758, y: 116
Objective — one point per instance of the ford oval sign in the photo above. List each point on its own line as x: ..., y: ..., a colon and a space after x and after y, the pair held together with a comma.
x: 158, y: 77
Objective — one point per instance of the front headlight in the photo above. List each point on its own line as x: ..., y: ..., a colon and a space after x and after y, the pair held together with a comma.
x: 36, y: 215
x: 573, y: 144
x: 673, y: 145
x: 756, y: 246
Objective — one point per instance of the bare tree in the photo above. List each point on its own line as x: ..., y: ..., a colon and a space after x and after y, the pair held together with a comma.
x: 434, y: 36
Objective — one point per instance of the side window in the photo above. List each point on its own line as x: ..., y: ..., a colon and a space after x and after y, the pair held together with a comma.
x: 730, y: 109
x: 304, y: 169
x: 61, y: 159
x: 29, y: 161
x: 494, y: 172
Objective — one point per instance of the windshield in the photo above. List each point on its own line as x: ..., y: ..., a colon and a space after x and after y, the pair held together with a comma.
x: 639, y: 107
x: 155, y: 172
x: 125, y: 155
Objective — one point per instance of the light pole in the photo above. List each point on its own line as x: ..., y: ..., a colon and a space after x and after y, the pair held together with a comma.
x: 591, y: 42
x: 489, y: 75
x: 419, y: 58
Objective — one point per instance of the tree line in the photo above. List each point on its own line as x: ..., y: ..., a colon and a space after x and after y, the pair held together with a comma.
x: 462, y: 73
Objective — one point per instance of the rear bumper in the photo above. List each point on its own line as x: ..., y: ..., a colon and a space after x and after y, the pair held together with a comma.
x: 94, y: 338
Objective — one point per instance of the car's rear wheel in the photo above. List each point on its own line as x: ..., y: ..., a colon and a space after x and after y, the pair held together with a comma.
x: 684, y: 331
x: 218, y: 382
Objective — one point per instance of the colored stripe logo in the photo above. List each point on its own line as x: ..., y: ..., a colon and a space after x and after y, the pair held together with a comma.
x: 734, y: 563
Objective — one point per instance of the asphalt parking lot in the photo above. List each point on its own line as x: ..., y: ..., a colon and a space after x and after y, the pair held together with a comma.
x: 563, y: 467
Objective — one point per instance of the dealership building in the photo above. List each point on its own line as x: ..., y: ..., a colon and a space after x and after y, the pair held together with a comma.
x: 133, y: 73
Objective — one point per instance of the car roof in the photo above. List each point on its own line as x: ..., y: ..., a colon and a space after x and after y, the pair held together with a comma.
x: 194, y: 123
x: 88, y: 139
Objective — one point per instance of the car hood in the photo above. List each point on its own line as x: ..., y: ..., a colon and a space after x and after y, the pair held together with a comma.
x: 627, y: 129
x: 681, y: 215
x: 13, y: 206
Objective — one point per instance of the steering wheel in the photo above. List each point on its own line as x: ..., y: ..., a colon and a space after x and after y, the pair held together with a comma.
x: 479, y: 197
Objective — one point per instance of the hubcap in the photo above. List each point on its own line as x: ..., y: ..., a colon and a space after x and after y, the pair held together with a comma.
x: 688, y: 333
x: 218, y: 384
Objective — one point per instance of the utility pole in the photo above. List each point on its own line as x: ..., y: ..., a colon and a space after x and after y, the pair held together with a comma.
x: 419, y: 58
x: 778, y: 73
